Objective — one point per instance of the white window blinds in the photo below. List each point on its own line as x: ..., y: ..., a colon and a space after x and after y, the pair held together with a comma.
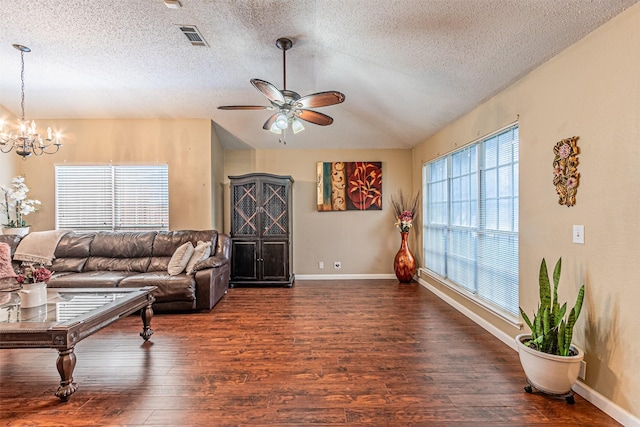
x: 107, y: 197
x: 471, y: 219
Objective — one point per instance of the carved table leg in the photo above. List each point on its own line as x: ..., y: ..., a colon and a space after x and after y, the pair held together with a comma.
x: 147, y: 314
x: 66, y: 363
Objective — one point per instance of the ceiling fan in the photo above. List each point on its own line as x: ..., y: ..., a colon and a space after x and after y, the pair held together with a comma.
x: 290, y: 105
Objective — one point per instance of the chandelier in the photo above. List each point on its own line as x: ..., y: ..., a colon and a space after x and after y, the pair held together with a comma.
x: 27, y: 141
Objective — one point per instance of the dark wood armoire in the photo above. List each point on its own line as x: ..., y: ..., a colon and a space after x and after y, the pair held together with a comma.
x: 261, y: 229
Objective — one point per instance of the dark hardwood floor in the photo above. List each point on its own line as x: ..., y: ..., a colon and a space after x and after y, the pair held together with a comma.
x: 335, y: 353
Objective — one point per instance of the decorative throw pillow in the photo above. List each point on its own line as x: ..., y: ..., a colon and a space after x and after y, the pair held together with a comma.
x: 6, y: 269
x: 202, y: 251
x: 180, y: 258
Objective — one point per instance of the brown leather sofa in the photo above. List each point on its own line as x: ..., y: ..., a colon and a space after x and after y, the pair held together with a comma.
x: 137, y: 259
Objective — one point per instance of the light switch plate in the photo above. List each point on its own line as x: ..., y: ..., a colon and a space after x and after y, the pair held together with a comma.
x: 578, y: 234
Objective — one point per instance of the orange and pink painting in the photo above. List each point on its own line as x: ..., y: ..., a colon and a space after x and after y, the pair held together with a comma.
x: 345, y: 186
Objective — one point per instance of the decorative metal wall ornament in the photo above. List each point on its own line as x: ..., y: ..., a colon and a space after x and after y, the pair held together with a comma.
x: 565, y: 170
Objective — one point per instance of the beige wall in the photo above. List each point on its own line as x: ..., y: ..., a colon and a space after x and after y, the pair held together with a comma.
x: 364, y: 242
x: 9, y: 162
x: 217, y: 181
x: 591, y: 90
x: 183, y: 144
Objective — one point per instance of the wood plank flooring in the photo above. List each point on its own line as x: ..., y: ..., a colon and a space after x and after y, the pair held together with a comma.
x: 333, y: 353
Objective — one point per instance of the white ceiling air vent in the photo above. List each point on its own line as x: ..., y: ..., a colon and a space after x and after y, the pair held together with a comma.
x: 193, y: 35
x: 173, y: 4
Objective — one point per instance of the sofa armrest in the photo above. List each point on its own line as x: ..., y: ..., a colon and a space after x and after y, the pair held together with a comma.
x: 223, y: 248
x: 212, y: 281
x: 211, y: 262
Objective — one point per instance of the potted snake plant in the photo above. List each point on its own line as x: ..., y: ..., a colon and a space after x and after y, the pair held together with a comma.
x: 550, y: 362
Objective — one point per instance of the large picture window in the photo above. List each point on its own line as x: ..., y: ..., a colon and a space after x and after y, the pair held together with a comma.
x: 112, y: 198
x: 471, y: 219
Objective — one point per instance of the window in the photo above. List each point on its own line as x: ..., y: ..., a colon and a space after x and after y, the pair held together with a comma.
x: 471, y: 219
x: 115, y: 198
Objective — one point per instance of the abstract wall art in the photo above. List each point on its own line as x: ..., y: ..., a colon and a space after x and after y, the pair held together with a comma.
x: 345, y: 186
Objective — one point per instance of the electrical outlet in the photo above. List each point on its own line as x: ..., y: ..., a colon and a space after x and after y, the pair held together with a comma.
x: 321, y: 265
x: 337, y: 265
x: 582, y: 373
x: 578, y: 234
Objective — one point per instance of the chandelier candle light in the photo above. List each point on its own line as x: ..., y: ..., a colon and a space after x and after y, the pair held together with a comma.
x: 404, y: 264
x: 27, y: 141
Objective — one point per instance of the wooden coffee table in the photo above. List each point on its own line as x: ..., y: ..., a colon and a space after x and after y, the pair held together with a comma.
x: 70, y: 316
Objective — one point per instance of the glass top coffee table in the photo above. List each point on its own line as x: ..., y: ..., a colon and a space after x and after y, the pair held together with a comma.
x: 69, y: 316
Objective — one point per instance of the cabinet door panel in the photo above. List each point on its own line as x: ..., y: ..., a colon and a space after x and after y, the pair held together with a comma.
x: 244, y: 258
x: 275, y: 211
x: 244, y: 211
x: 275, y: 258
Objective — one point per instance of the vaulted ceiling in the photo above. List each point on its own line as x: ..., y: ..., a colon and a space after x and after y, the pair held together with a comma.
x: 407, y: 67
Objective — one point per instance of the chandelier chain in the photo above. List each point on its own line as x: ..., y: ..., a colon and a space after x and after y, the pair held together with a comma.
x: 22, y: 82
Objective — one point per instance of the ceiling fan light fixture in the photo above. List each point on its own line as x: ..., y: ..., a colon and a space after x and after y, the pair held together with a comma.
x: 296, y: 125
x: 282, y: 121
x: 275, y: 129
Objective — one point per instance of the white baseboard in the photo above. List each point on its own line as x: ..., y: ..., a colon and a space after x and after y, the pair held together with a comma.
x: 605, y: 405
x: 598, y: 400
x: 343, y: 276
x: 501, y: 335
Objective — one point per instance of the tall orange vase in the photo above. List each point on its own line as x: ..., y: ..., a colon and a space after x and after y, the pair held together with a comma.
x: 404, y: 264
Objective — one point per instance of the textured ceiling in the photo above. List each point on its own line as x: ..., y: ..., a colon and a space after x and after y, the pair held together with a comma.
x: 407, y: 67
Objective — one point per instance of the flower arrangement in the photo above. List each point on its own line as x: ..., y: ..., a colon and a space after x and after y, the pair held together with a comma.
x: 15, y: 200
x: 31, y: 274
x: 565, y: 170
x: 404, y: 210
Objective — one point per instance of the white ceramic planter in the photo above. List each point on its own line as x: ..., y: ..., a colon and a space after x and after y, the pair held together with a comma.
x: 547, y: 372
x: 15, y: 231
x: 33, y: 294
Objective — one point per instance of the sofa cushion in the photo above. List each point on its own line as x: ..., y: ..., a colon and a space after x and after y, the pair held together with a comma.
x: 180, y: 258
x: 7, y: 273
x: 202, y: 251
x: 11, y: 240
x: 138, y: 265
x: 6, y: 266
x: 120, y: 251
x: 166, y: 243
x: 74, y: 245
x: 71, y: 265
x: 90, y: 279
x: 181, y: 287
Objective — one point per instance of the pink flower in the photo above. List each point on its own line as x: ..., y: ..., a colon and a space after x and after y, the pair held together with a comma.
x: 564, y: 151
x: 31, y: 274
x: 41, y: 275
x: 406, y: 216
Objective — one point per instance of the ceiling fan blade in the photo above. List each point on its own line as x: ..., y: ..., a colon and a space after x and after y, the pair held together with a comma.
x: 243, y: 107
x: 267, y: 125
x: 320, y: 99
x: 314, y: 117
x: 270, y: 91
